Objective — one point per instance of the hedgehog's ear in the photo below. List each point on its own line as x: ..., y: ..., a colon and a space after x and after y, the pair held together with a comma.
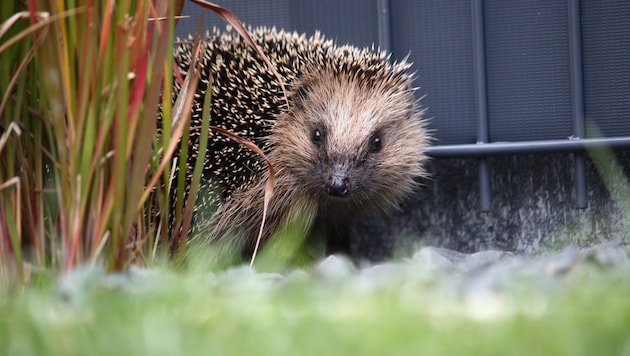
x: 300, y: 93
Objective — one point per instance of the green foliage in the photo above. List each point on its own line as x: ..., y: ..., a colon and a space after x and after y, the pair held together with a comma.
x: 87, y: 172
x: 80, y: 84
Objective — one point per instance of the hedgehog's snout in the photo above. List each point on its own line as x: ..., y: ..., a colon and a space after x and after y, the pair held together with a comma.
x: 338, y: 183
x: 338, y: 186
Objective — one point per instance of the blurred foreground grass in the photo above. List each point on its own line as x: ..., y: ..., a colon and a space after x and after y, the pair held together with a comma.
x: 425, y: 305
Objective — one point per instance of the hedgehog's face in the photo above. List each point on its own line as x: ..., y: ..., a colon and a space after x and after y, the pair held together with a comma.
x: 348, y: 142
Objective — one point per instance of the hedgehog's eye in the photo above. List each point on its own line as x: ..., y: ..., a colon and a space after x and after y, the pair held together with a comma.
x: 317, y: 137
x: 376, y: 144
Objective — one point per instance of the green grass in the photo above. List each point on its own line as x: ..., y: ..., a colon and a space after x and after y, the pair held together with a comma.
x: 238, y: 311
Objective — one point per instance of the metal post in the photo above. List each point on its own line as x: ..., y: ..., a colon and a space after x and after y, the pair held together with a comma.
x: 577, y: 100
x: 384, y: 26
x: 479, y: 59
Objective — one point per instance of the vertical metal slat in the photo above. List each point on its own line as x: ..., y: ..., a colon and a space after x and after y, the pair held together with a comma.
x: 479, y: 55
x: 384, y: 26
x: 577, y: 100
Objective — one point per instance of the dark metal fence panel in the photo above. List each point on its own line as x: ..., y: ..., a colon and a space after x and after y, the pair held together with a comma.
x: 606, y: 58
x: 527, y: 52
x: 437, y: 36
x: 348, y: 21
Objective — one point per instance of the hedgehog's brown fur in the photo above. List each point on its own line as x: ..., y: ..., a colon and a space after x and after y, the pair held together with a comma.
x: 352, y: 124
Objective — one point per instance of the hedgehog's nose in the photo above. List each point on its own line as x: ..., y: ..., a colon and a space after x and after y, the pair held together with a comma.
x: 338, y: 185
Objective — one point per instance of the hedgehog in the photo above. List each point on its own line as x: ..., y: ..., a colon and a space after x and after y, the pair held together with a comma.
x: 346, y: 139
